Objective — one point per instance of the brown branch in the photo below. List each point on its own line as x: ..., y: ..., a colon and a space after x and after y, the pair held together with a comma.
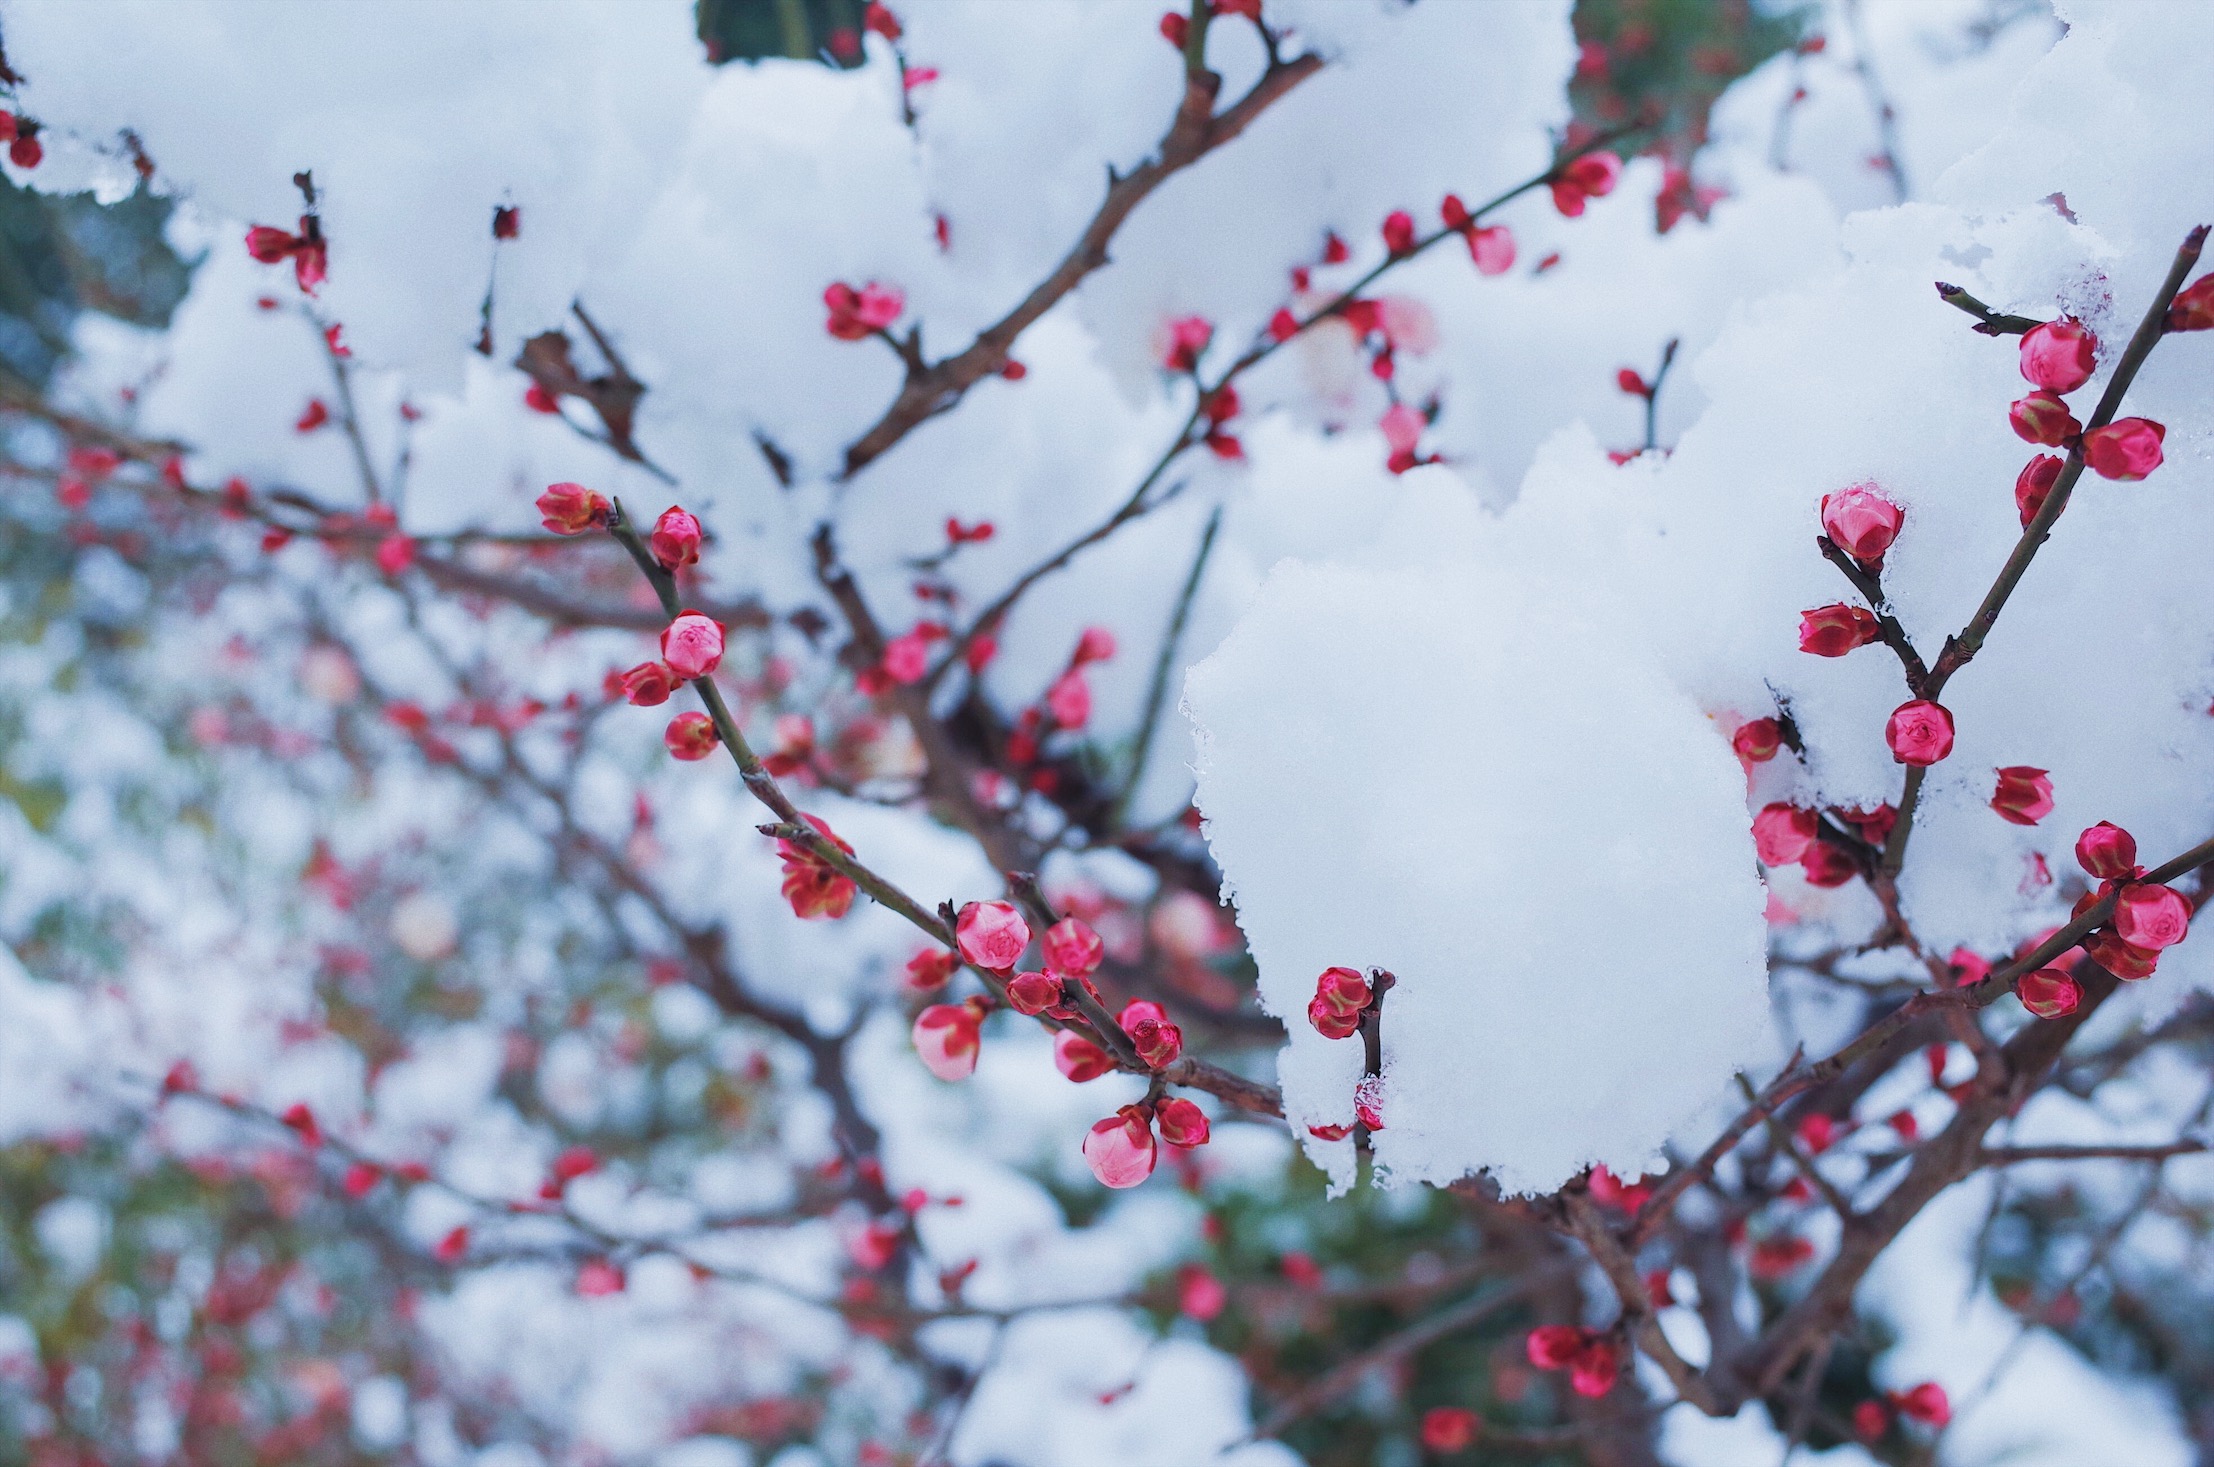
x: 2010, y: 1155
x: 1615, y: 1262
x: 1196, y: 132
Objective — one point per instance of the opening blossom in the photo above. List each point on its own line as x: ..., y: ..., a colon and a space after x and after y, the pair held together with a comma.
x: 2126, y: 449
x: 692, y: 645
x: 308, y: 251
x: 991, y: 934
x: 1919, y: 732
x: 1861, y: 522
x: 1782, y: 833
x: 1033, y: 993
x: 948, y: 1037
x: 2024, y: 795
x: 572, y: 509
x: 1592, y: 176
x: 814, y: 887
x: 1187, y: 337
x: 691, y: 736
x: 1072, y: 948
x: 855, y: 314
x: 2059, y: 356
x: 1120, y: 1149
x: 649, y: 684
x: 2151, y: 916
x: 1490, y: 246
x: 1078, y: 1058
x: 1834, y: 630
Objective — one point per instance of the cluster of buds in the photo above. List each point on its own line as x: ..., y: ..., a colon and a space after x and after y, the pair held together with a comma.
x: 1342, y: 995
x: 1490, y: 246
x: 1120, y: 1150
x: 1592, y: 176
x: 1184, y: 341
x: 1926, y: 1403
x: 1066, y: 706
x: 1786, y: 835
x: 2148, y: 918
x: 855, y: 314
x: 1592, y: 1357
x: 814, y: 886
x: 2058, y: 357
x: 308, y: 251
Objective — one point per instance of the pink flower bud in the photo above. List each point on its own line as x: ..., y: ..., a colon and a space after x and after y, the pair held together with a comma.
x: 2024, y: 795
x: 1919, y: 732
x: 2107, y: 851
x: 928, y: 970
x: 1095, y: 644
x: 1449, y: 1428
x: 1492, y: 249
x: 814, y: 887
x: 2043, y: 419
x: 1033, y: 993
x: 303, y: 1124
x: 1079, y: 1058
x: 991, y: 934
x: 1120, y: 1149
x: 1282, y: 326
x: 1836, y: 629
x: 1069, y: 700
x: 907, y: 657
x: 1782, y: 833
x: 692, y: 645
x: 2034, y: 483
x: 1871, y: 1421
x: 691, y: 736
x: 2151, y: 916
x: 1176, y: 28
x: 1826, y: 864
x: 1454, y: 214
x: 2048, y: 993
x: 1592, y: 176
x: 2193, y: 308
x: 1399, y: 232
x: 1594, y: 1372
x: 1187, y: 339
x: 855, y: 314
x: 1402, y: 426
x: 676, y: 539
x: 1072, y: 948
x: 947, y: 1037
x: 1757, y: 741
x: 571, y: 509
x: 1861, y: 522
x: 1925, y: 1403
x: 1182, y: 1123
x: 1331, y: 1023
x: 649, y: 684
x: 2127, y: 448
x: 1555, y: 1346
x: 2123, y: 959
x: 2059, y: 356
x: 1199, y: 1294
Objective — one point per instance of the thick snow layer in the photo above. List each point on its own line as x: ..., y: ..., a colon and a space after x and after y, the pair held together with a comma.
x: 1476, y: 777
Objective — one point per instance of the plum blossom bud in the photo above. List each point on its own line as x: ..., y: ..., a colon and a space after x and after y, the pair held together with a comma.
x: 649, y: 684
x: 1079, y: 1058
x: 1554, y: 1346
x: 1176, y: 28
x: 676, y: 539
x: 2059, y: 356
x: 1757, y: 741
x: 2149, y: 915
x: 1072, y: 947
x: 2043, y: 419
x: 1926, y: 1403
x: 1596, y: 1369
x: 2107, y: 851
x: 2193, y: 307
x: 1492, y: 249
x: 1836, y: 629
x: 1033, y: 993
x: 929, y: 969
x: 571, y: 509
x: 2034, y: 483
x: 1861, y: 522
x: 1329, y: 1023
x: 2024, y: 795
x: 1402, y: 426
x: 1826, y: 864
x: 947, y: 1037
x: 1919, y: 732
x: 2127, y: 448
x: 1120, y: 1149
x: 1871, y: 1421
x: 855, y: 314
x: 1158, y: 1042
x: 1782, y: 833
x: 1182, y: 1123
x: 907, y: 657
x: 1454, y: 214
x: 692, y: 645
x: 1399, y: 232
x: 1449, y: 1428
x: 1094, y: 644
x: 691, y: 736
x: 1592, y: 176
x: 2048, y: 993
x: 991, y: 934
x: 1069, y: 700
x: 814, y: 886
x: 1187, y: 338
x: 1343, y: 989
x: 1368, y: 1102
x: 2123, y: 959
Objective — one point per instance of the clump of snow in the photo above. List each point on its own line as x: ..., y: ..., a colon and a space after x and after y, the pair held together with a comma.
x: 1475, y: 776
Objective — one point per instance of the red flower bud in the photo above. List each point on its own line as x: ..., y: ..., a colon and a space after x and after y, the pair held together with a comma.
x: 929, y: 969
x: 1554, y: 1346
x: 691, y: 736
x: 2048, y: 993
x: 855, y: 314
x: 1176, y: 28
x: 1594, y: 1372
x: 2107, y: 851
x: 814, y: 887
x: 2193, y: 308
x: 2149, y: 915
x: 1158, y: 1042
x: 2034, y: 483
x: 507, y: 221
x: 303, y: 1124
x: 571, y: 509
x: 692, y: 645
x: 2127, y: 448
x: 1079, y: 1058
x: 1454, y: 213
x: 1919, y: 732
x: 1182, y: 1123
x: 2043, y: 419
x: 1592, y: 176
x: 676, y: 539
x: 2059, y: 356
x: 1069, y: 700
x: 2024, y: 795
x: 2123, y: 959
x: 1120, y: 1149
x: 1072, y: 947
x: 1449, y: 1428
x: 649, y: 684
x: 1282, y: 326
x: 1836, y: 629
x: 1782, y: 833
x: 1871, y: 1421
x: 1399, y: 232
x: 1826, y: 864
x: 1925, y: 1403
x: 1329, y: 1022
x: 1187, y: 339
x: 1861, y: 522
x: 991, y: 934
x: 1757, y: 741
